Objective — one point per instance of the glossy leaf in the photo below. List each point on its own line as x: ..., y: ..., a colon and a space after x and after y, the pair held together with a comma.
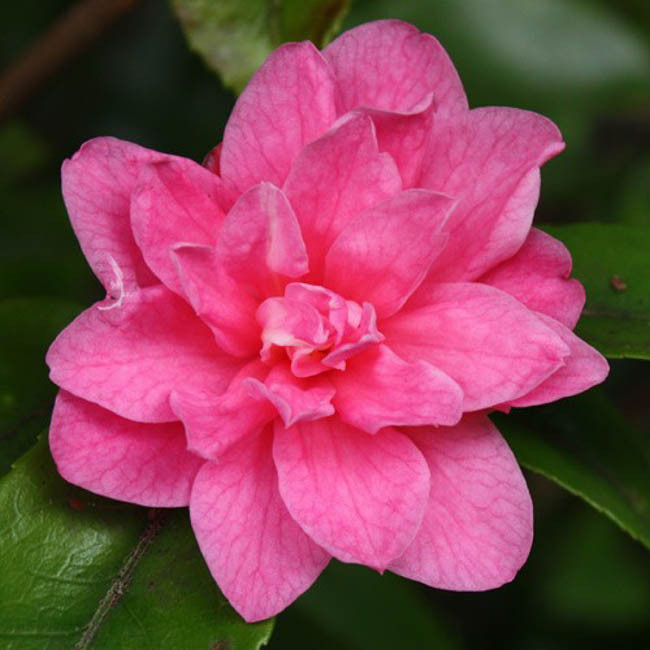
x: 82, y: 571
x: 586, y: 446
x: 612, y: 263
x: 27, y: 327
x: 235, y: 37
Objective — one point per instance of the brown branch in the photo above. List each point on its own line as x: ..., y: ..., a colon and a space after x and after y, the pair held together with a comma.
x: 69, y: 35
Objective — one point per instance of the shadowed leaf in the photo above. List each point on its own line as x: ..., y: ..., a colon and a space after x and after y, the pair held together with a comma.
x: 235, y: 37
x: 612, y: 263
x: 82, y: 571
x: 586, y: 446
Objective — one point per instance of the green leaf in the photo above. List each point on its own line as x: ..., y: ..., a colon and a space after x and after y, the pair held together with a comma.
x: 27, y: 327
x: 316, y: 20
x: 587, y: 447
x: 83, y: 571
x: 235, y: 37
x: 612, y: 263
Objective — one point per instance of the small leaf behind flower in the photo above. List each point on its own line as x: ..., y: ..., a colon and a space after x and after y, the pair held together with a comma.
x: 234, y: 37
x: 586, y: 446
x: 80, y: 571
x: 612, y: 261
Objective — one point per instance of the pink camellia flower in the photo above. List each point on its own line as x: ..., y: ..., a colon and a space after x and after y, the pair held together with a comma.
x: 303, y: 337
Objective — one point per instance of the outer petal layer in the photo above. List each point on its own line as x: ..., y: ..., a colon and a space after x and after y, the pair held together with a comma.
x: 288, y: 103
x: 484, y: 339
x: 390, y: 65
x: 584, y: 367
x: 140, y: 463
x: 379, y: 389
x: 129, y: 359
x: 489, y: 160
x: 260, y: 558
x: 537, y: 275
x: 478, y: 526
x: 360, y: 497
x: 97, y: 183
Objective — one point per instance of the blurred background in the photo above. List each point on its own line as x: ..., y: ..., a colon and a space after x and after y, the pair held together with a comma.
x: 583, y: 63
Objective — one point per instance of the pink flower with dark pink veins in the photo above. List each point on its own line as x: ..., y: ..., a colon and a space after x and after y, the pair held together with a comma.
x: 303, y: 337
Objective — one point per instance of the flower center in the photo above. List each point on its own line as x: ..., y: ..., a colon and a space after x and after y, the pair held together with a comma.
x: 317, y: 328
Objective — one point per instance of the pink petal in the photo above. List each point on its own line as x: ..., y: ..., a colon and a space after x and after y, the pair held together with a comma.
x: 383, y: 255
x: 405, y: 136
x: 584, y: 367
x: 212, y: 160
x: 537, y: 275
x: 260, y: 558
x: 288, y: 103
x: 489, y: 159
x: 478, y: 526
x: 338, y: 315
x: 360, y: 497
x: 485, y: 340
x: 128, y: 359
x: 174, y: 201
x: 318, y: 328
x: 97, y: 183
x: 217, y: 299
x: 355, y: 340
x: 379, y: 389
x: 390, y: 65
x: 290, y: 323
x: 140, y: 463
x: 261, y: 238
x: 336, y: 178
x: 296, y: 399
x: 213, y: 422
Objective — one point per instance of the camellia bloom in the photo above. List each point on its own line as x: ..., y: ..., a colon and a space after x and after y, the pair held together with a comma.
x: 302, y: 338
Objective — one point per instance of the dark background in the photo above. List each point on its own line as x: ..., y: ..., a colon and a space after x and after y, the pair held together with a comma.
x: 585, y: 64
